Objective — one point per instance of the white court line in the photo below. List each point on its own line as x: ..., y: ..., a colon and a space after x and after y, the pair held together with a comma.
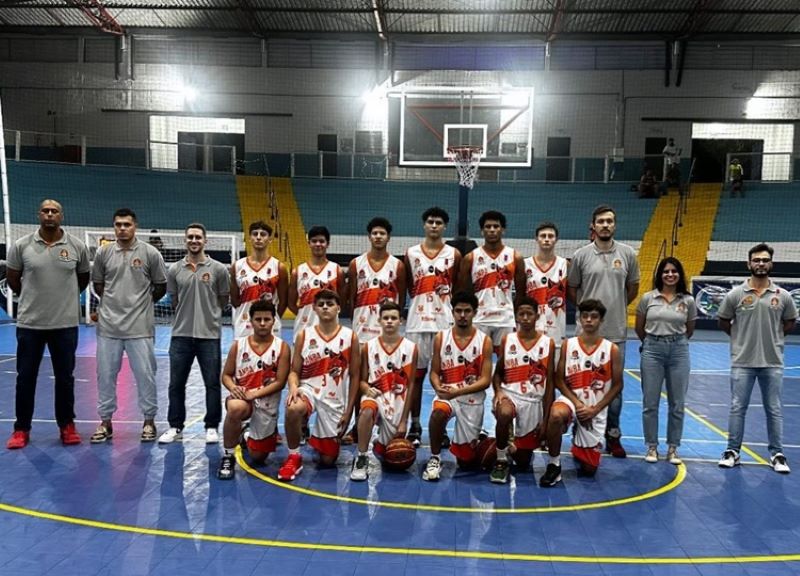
x: 8, y: 359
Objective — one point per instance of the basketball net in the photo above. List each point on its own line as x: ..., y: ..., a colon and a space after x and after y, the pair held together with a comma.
x: 466, y: 159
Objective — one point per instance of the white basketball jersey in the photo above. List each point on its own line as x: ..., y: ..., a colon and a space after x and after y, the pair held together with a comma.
x: 309, y: 283
x: 525, y: 369
x: 326, y: 363
x: 254, y: 370
x: 390, y: 370
x: 430, y: 290
x: 373, y: 287
x: 588, y: 374
x: 548, y: 288
x: 255, y: 284
x: 493, y: 280
x: 461, y: 366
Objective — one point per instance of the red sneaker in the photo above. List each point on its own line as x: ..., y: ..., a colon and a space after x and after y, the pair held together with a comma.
x: 69, y: 435
x: 615, y: 448
x: 19, y: 439
x: 291, y: 468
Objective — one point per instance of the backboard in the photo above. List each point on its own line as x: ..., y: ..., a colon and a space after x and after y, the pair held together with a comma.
x: 498, y: 120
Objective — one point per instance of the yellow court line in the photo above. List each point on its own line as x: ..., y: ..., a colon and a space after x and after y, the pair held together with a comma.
x: 710, y: 426
x: 680, y: 476
x: 471, y: 554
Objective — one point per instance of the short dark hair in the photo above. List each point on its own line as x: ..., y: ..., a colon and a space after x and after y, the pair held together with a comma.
x: 658, y: 280
x: 592, y: 305
x: 544, y: 226
x: 262, y: 306
x: 526, y: 301
x: 464, y: 298
x: 124, y: 213
x: 259, y: 225
x: 603, y: 208
x: 327, y: 294
x: 389, y: 305
x: 492, y: 215
x: 195, y: 225
x: 436, y: 212
x: 761, y: 247
x: 319, y: 231
x: 380, y: 222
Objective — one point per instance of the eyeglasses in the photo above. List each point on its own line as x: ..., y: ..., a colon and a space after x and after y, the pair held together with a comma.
x: 760, y: 260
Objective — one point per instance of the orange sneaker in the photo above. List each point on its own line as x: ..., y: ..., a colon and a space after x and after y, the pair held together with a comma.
x: 291, y: 468
x: 70, y: 436
x: 19, y: 439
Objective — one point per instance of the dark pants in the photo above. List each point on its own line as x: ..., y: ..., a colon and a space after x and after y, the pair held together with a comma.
x: 182, y: 352
x: 62, y: 344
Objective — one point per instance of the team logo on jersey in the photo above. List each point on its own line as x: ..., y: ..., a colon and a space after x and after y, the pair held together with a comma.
x: 242, y: 272
x: 587, y: 364
x: 390, y: 365
x: 316, y: 282
x: 136, y: 263
x: 480, y: 259
x: 681, y: 307
x: 377, y: 358
x: 575, y: 354
x: 64, y: 254
x: 512, y: 350
x: 417, y: 262
x: 305, y: 275
x: 206, y: 278
x: 544, y: 280
x: 245, y: 356
x: 448, y: 350
x: 260, y: 364
x: 526, y: 359
x: 374, y: 281
x: 774, y: 302
x: 362, y: 274
x: 617, y: 263
x: 528, y: 273
x: 748, y: 301
x: 312, y: 343
x: 431, y: 269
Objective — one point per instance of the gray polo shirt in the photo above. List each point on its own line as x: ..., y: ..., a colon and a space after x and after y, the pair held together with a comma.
x: 757, y: 324
x: 604, y: 276
x: 662, y: 318
x: 197, y: 291
x: 49, y: 299
x: 126, y: 308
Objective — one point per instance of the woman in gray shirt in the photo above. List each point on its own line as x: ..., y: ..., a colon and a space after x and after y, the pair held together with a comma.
x: 664, y: 323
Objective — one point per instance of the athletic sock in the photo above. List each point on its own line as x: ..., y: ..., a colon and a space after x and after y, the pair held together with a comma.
x: 501, y: 454
x: 294, y: 450
x: 555, y: 460
x: 227, y: 452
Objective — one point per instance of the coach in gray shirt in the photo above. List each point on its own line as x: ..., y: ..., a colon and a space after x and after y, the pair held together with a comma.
x: 48, y: 269
x: 608, y: 271
x: 199, y: 287
x: 757, y: 314
x: 129, y: 276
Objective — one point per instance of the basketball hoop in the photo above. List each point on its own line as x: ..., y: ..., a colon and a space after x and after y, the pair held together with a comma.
x: 466, y: 159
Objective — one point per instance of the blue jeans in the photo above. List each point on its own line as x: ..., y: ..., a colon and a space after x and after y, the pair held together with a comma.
x: 664, y: 360
x: 142, y: 360
x: 62, y: 344
x: 770, y: 380
x: 182, y: 352
x: 615, y: 407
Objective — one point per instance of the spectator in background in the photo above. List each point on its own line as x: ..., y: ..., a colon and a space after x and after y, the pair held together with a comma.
x: 672, y: 164
x: 736, y: 175
x: 155, y: 241
x: 648, y: 187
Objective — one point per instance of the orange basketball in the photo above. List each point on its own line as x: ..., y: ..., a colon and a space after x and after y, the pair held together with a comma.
x: 399, y: 455
x: 486, y: 453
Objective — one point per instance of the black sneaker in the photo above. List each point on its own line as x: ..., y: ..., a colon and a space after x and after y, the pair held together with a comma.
x: 415, y: 434
x: 227, y: 468
x: 551, y: 476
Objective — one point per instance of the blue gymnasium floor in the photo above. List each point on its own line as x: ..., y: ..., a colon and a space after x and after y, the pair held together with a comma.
x: 131, y: 509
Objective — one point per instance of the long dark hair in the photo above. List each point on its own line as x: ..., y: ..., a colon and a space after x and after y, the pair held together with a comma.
x: 658, y: 281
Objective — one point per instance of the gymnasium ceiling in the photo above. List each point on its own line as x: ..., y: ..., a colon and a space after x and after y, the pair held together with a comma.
x: 424, y: 19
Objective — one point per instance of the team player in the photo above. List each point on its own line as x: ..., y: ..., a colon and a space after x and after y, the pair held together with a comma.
x: 255, y: 374
x: 258, y: 276
x: 589, y: 377
x: 546, y: 284
x: 323, y: 378
x: 492, y: 271
x: 461, y: 371
x: 431, y: 268
x: 523, y: 389
x: 309, y: 278
x: 388, y: 365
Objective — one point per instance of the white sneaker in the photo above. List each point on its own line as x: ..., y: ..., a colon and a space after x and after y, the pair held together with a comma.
x: 778, y: 463
x: 212, y: 436
x: 360, y: 470
x: 652, y: 455
x: 672, y: 456
x: 170, y: 436
x: 432, y: 469
x: 729, y: 459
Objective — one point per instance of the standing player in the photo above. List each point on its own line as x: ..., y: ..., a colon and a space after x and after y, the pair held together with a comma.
x: 523, y: 389
x: 461, y: 371
x: 432, y: 268
x: 607, y: 270
x: 492, y: 271
x: 323, y: 378
x: 388, y: 363
x: 255, y: 374
x: 309, y: 278
x: 589, y: 377
x: 129, y: 276
x: 198, y: 287
x: 258, y: 276
x: 546, y: 284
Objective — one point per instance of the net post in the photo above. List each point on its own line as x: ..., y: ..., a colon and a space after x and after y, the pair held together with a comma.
x: 6, y: 207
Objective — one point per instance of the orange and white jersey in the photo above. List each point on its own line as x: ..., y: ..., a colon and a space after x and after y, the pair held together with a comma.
x: 588, y: 374
x: 548, y: 288
x: 373, y: 287
x: 389, y: 370
x: 309, y: 283
x: 430, y: 290
x: 254, y: 370
x: 461, y: 366
x: 326, y: 363
x: 255, y: 284
x: 493, y: 280
x: 525, y: 369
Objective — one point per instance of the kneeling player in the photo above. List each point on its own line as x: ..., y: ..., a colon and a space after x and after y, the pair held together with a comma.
x: 388, y: 365
x: 461, y: 371
x: 325, y: 363
x: 255, y: 373
x: 523, y: 389
x: 589, y: 377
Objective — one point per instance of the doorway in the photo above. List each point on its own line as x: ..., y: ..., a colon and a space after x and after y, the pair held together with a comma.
x: 710, y: 157
x: 329, y: 146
